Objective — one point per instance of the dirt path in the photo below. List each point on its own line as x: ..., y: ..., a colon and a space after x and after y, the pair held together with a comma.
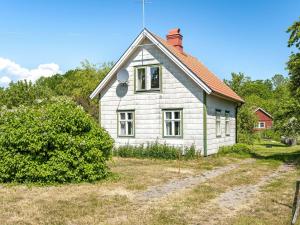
x: 228, y: 204
x: 157, y: 192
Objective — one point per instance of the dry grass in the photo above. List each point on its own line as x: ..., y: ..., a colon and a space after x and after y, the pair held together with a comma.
x: 113, y: 201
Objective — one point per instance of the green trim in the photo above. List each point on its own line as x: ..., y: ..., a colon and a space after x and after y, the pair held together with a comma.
x: 151, y: 89
x: 160, y: 79
x: 124, y: 110
x: 134, y: 81
x: 181, y: 121
x: 204, y: 123
x: 99, y: 115
x: 236, y: 126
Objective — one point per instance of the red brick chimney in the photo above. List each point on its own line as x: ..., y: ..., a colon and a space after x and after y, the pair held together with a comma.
x: 175, y: 38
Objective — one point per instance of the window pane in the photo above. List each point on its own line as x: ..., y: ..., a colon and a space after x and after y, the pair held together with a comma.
x: 177, y: 127
x: 218, y: 128
x: 154, y: 77
x: 129, y: 128
x: 141, y: 79
x: 122, y: 116
x: 177, y: 115
x: 169, y: 128
x: 168, y: 115
x: 227, y: 127
x: 129, y: 116
x: 122, y: 128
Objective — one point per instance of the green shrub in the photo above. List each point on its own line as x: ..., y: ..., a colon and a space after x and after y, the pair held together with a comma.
x: 154, y: 150
x: 248, y: 138
x: 50, y: 142
x: 191, y: 153
x: 239, y: 149
x: 270, y: 134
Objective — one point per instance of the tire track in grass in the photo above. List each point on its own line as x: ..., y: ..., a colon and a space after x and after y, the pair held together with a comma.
x: 155, y: 193
x: 229, y: 203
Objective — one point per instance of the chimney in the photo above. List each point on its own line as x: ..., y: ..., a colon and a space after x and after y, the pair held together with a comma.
x: 175, y: 38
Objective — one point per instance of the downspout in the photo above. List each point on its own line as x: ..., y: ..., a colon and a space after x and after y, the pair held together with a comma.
x: 236, y: 126
x: 236, y: 123
x: 204, y: 123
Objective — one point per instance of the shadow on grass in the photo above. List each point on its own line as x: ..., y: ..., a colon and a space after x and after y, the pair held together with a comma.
x: 286, y: 157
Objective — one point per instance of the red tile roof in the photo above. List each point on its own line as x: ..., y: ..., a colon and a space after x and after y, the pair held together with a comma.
x: 210, y: 79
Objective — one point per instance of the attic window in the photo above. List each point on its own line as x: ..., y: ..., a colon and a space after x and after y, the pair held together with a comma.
x: 141, y: 78
x: 148, y: 78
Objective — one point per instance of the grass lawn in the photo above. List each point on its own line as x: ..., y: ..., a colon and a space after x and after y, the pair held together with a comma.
x: 219, y: 197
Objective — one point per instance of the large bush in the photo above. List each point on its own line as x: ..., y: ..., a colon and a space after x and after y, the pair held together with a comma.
x: 52, y: 142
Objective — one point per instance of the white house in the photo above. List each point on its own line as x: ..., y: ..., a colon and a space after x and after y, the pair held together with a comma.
x: 170, y: 97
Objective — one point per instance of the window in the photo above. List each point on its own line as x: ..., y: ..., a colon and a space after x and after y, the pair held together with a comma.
x: 172, y: 123
x: 141, y: 78
x: 227, y: 123
x: 261, y: 125
x: 154, y: 72
x: 126, y: 123
x: 218, y: 122
x: 148, y: 78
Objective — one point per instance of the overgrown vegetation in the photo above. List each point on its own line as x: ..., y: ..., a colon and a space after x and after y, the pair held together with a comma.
x: 156, y: 151
x: 237, y: 149
x: 52, y: 141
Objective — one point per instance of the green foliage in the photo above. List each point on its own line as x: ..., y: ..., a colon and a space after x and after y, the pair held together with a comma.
x: 238, y: 80
x: 53, y: 141
x: 23, y: 93
x: 246, y: 119
x: 77, y: 84
x: 154, y: 150
x: 270, y: 134
x: 237, y: 149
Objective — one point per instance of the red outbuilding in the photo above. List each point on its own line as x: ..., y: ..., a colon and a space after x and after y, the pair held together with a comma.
x: 265, y: 120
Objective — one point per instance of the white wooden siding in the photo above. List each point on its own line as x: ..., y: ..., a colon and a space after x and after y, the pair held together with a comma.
x: 214, y: 142
x: 178, y: 91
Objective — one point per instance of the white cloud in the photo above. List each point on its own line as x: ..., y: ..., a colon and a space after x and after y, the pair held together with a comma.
x: 4, y: 81
x: 14, y: 71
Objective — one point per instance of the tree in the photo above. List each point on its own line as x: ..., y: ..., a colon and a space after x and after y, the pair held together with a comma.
x: 23, y: 93
x: 278, y: 80
x: 293, y: 65
x: 78, y: 84
x: 238, y: 80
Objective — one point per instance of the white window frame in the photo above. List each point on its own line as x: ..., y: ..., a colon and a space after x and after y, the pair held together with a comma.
x: 227, y: 123
x: 137, y: 78
x: 148, y: 77
x: 159, y: 77
x: 127, y: 121
x: 173, y: 120
x: 218, y: 121
x: 259, y: 125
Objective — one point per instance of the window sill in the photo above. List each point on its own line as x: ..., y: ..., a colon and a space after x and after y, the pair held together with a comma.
x: 119, y: 136
x: 150, y: 90
x: 173, y: 137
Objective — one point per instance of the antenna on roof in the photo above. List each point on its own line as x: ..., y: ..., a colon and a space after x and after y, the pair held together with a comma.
x: 143, y: 11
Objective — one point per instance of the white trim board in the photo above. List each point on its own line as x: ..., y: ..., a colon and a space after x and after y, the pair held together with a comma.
x: 130, y: 50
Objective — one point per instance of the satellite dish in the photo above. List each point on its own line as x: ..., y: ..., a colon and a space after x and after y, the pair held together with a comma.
x: 123, y: 76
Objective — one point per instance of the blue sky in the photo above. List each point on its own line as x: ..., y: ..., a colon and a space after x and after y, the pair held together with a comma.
x: 227, y: 36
